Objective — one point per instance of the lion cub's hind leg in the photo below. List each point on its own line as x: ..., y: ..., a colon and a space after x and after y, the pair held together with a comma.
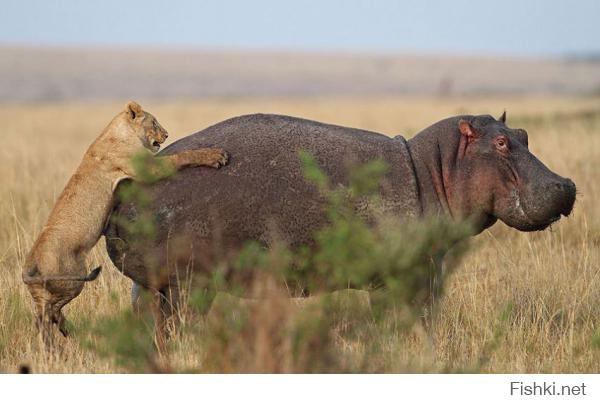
x: 51, y: 289
x: 49, y: 299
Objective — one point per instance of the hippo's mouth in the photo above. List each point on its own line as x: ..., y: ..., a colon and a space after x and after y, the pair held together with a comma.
x: 555, y: 219
x: 549, y: 223
x: 530, y: 224
x: 537, y: 226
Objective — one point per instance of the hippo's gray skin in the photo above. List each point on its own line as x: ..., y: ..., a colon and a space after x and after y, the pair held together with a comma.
x: 472, y: 167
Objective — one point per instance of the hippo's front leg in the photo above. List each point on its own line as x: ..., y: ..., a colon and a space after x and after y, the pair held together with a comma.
x: 431, y: 303
x: 436, y: 273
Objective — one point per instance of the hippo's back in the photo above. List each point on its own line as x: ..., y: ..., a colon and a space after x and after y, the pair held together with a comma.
x: 262, y: 138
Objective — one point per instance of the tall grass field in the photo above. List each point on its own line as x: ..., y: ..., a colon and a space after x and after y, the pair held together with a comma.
x: 517, y: 302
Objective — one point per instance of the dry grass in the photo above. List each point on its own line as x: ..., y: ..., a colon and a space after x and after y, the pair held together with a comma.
x: 517, y: 303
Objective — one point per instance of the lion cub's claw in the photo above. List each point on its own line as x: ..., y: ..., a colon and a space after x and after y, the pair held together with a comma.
x: 221, y: 159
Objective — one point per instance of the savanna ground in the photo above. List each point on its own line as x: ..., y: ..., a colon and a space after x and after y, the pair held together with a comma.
x: 517, y: 302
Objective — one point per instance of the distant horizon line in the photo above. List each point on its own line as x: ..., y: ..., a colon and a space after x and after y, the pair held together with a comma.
x: 588, y: 55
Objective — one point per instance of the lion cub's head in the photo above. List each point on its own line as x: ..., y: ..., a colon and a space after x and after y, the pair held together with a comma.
x: 145, y: 126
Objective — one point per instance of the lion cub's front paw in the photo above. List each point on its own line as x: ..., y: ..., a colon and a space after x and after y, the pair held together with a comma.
x: 210, y: 157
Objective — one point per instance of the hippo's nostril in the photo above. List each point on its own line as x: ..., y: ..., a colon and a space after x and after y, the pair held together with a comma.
x: 566, y: 185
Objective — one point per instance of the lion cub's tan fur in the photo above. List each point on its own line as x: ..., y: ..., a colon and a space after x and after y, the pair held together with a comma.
x: 55, y: 268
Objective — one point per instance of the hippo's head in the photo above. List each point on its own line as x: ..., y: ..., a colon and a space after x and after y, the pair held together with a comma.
x: 478, y: 168
x: 497, y: 177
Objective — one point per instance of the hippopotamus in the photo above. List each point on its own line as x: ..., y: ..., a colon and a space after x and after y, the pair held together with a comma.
x: 467, y: 167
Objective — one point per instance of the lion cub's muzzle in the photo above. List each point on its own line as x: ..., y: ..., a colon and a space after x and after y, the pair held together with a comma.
x: 157, y: 142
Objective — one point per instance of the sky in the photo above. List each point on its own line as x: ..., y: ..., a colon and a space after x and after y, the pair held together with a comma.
x: 510, y: 27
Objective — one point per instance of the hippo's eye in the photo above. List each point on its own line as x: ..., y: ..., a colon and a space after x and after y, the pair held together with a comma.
x: 502, y: 144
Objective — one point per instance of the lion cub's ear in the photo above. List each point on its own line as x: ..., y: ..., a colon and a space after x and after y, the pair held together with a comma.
x: 134, y: 110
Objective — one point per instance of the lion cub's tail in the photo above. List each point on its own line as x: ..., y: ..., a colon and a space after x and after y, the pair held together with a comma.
x: 34, y: 278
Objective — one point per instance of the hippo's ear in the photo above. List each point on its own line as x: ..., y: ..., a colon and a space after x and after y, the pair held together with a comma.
x: 466, y: 129
x: 134, y: 110
x: 503, y: 117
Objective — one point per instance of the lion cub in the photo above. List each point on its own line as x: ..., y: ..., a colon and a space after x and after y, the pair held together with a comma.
x: 55, y: 270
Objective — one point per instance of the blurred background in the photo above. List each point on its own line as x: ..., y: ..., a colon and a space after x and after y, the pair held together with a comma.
x: 70, y: 50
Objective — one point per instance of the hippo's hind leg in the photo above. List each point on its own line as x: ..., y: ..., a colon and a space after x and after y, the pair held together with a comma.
x: 164, y: 305
x: 168, y: 302
x: 136, y: 297
x: 166, y: 308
